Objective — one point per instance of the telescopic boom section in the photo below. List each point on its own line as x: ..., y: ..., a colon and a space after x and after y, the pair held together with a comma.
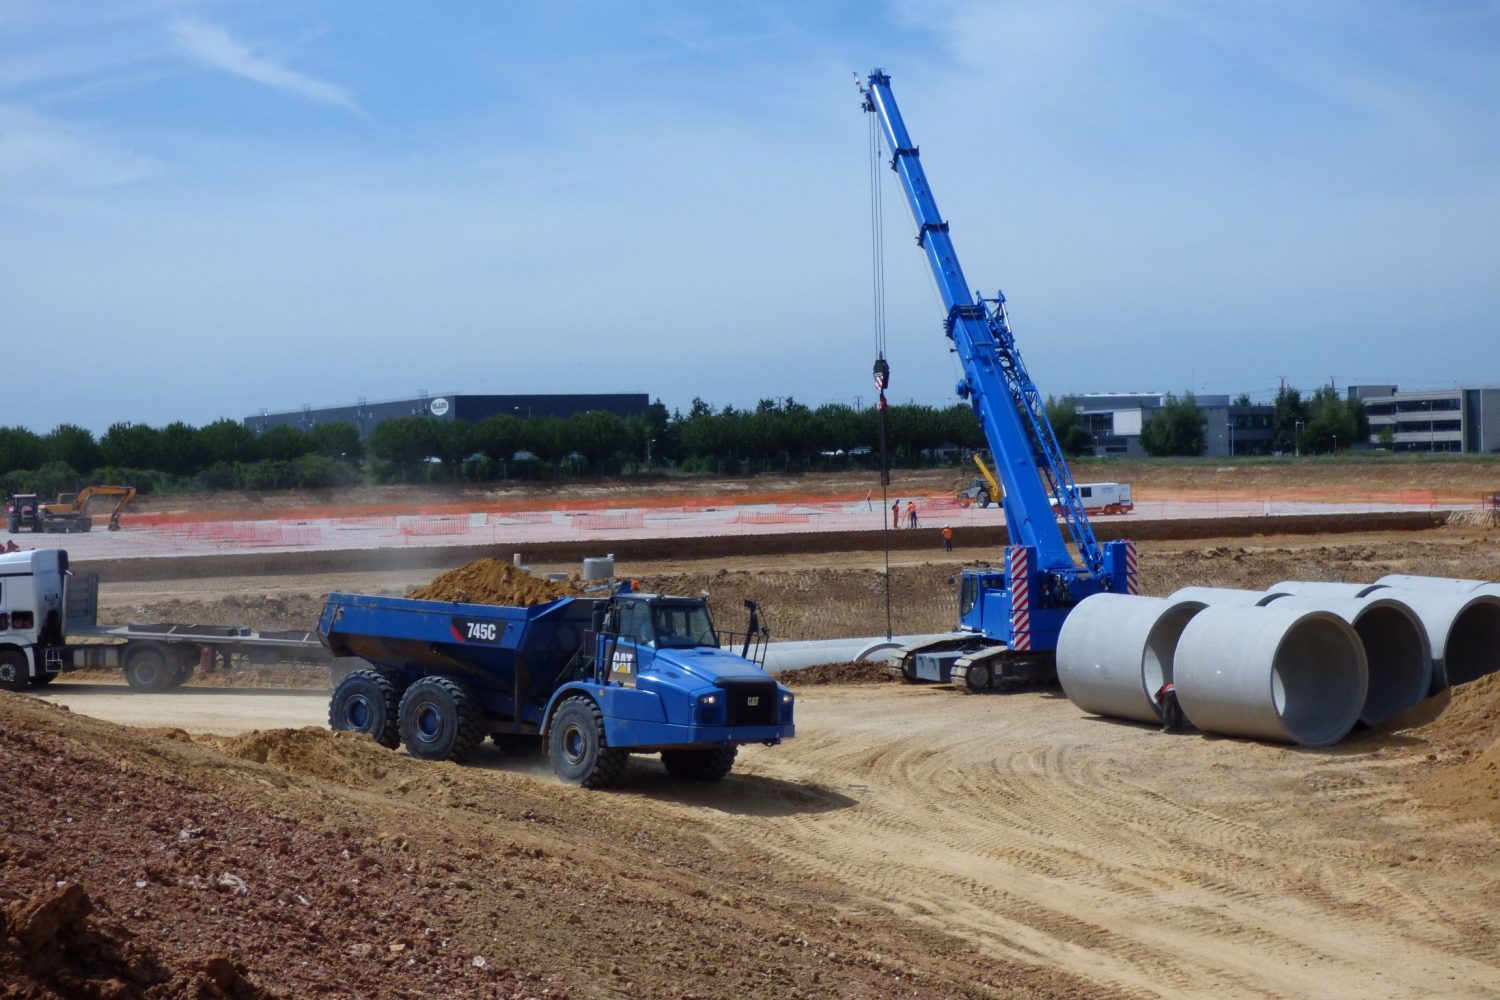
x: 1027, y: 456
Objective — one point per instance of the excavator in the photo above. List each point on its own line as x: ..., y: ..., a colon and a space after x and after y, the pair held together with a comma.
x: 69, y: 512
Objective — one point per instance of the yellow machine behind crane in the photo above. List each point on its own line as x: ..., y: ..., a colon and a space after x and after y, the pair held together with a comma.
x: 69, y: 512
x: 981, y: 491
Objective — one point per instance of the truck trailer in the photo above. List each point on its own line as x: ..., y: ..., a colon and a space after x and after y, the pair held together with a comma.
x: 592, y: 679
x: 49, y: 625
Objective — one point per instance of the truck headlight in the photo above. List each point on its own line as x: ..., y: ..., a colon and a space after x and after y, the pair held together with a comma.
x: 786, y: 698
x: 708, y: 699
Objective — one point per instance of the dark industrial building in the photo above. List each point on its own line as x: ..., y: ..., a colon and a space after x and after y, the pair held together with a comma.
x: 454, y: 406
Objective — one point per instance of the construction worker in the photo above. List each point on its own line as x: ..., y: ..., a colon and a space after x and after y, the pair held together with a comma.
x: 1171, y: 712
x: 947, y: 538
x: 911, y: 513
x: 896, y: 513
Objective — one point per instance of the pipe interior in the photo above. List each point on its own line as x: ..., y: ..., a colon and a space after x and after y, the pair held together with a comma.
x: 1395, y: 654
x: 1473, y: 646
x: 1161, y: 646
x: 1315, y: 682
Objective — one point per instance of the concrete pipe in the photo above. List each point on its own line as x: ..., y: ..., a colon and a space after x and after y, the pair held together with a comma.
x: 1316, y: 588
x: 1272, y: 673
x: 1115, y: 652
x: 1440, y: 584
x: 1224, y: 596
x: 1464, y: 630
x: 1397, y: 651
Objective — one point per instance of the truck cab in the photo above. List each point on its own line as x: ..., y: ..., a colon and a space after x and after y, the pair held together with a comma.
x: 32, y: 603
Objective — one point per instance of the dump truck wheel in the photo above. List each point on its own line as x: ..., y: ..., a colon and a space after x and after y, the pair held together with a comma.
x: 366, y: 702
x: 148, y: 670
x: 700, y: 765
x: 575, y: 742
x: 441, y: 720
x: 15, y: 675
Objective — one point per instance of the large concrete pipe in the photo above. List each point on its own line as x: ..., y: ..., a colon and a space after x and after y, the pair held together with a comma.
x: 1464, y: 630
x: 1441, y: 584
x: 1224, y: 596
x: 1115, y: 652
x: 1272, y: 673
x: 1318, y: 588
x: 1397, y: 651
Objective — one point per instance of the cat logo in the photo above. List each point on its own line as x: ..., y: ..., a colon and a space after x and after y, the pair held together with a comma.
x: 752, y: 701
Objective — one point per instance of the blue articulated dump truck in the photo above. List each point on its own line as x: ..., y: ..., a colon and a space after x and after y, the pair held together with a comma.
x: 595, y: 679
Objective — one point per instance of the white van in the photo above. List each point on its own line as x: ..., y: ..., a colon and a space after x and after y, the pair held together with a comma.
x: 1104, y: 498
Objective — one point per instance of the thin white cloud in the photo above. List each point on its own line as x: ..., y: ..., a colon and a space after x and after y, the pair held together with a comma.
x: 215, y: 47
x: 45, y: 155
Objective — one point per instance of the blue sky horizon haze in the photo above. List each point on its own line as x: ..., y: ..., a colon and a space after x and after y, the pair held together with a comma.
x: 213, y: 208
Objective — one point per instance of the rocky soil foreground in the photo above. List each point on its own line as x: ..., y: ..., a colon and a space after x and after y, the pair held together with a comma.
x: 302, y: 863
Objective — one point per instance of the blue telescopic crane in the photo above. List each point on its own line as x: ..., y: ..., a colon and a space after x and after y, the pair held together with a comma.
x: 1010, y: 617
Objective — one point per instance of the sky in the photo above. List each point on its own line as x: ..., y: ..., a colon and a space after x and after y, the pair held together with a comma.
x: 212, y: 209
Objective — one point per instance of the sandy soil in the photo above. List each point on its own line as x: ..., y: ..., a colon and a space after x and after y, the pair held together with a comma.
x: 909, y: 842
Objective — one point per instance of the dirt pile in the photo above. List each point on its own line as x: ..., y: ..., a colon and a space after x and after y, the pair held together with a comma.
x: 494, y: 581
x: 267, y: 868
x: 1468, y: 733
x: 835, y: 673
x: 347, y: 758
x: 1489, y: 518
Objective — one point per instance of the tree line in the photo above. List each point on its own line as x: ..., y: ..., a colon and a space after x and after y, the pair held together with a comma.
x: 774, y: 435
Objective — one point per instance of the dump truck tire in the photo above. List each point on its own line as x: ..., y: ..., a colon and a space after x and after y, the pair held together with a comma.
x: 366, y: 702
x: 441, y: 720
x: 148, y: 670
x: 575, y: 742
x: 699, y: 765
x: 15, y: 675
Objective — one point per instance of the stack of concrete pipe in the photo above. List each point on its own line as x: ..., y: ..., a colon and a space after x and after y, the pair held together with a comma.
x: 1302, y: 662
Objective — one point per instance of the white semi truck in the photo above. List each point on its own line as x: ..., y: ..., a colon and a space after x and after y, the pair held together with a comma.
x: 49, y: 625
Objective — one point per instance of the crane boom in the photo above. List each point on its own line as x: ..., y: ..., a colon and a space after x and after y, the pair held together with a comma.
x: 1010, y: 409
x: 1010, y: 616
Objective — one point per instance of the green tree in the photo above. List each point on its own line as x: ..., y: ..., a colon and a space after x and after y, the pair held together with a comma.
x: 283, y: 442
x: 405, y: 442
x: 1288, y: 411
x: 1072, y: 437
x: 180, y: 449
x: 1178, y: 428
x: 598, y: 436
x: 132, y: 446
x: 20, y: 449
x: 73, y: 446
x: 227, y: 441
x: 1243, y: 399
x: 336, y: 439
x: 498, y: 436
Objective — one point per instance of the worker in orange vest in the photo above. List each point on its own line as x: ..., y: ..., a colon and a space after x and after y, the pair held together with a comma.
x: 911, y: 513
x: 947, y: 538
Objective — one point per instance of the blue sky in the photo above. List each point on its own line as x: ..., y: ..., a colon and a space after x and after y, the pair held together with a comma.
x: 210, y: 208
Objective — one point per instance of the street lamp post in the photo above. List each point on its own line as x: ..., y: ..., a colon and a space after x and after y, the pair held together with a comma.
x: 1335, y: 444
x: 1297, y: 440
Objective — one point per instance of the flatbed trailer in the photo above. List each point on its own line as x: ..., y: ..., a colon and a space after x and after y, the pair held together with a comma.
x: 159, y: 655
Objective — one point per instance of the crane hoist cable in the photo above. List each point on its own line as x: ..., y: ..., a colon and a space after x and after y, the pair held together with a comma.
x: 882, y: 369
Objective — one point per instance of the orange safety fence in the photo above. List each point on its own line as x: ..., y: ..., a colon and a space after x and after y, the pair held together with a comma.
x: 753, y: 517
x: 607, y: 522
x: 414, y: 527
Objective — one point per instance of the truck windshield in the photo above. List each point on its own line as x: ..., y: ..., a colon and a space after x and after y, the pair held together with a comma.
x: 681, y: 625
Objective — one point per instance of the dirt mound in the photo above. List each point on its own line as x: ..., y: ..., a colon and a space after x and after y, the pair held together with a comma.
x: 494, y: 581
x: 347, y: 758
x: 1469, y: 731
x: 835, y: 673
x: 1474, y: 519
x: 56, y: 946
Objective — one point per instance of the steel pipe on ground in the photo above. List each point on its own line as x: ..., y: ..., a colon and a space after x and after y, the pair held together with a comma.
x: 1397, y: 651
x: 1272, y: 673
x: 1115, y: 652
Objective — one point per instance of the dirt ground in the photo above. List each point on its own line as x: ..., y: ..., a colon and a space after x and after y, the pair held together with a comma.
x: 909, y: 842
